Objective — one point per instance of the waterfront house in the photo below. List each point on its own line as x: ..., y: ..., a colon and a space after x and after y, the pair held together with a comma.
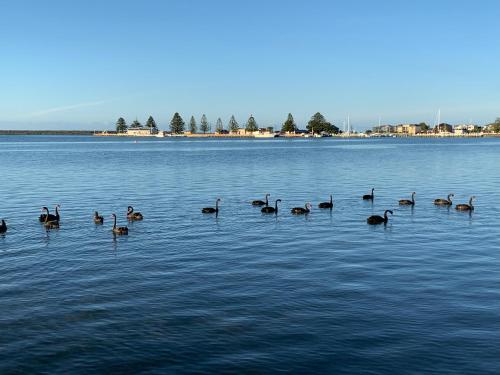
x: 414, y: 129
x: 384, y: 129
x: 387, y: 129
x: 242, y: 132
x: 460, y: 129
x: 410, y: 129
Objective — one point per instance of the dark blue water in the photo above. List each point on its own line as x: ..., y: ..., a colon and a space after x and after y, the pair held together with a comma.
x: 247, y: 293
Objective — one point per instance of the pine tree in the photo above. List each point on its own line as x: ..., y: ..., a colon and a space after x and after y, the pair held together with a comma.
x: 121, y: 125
x: 219, y: 127
x: 151, y: 123
x: 233, y: 125
x: 289, y: 125
x: 192, y: 125
x: 204, y: 124
x: 177, y: 124
x: 318, y: 124
x: 136, y: 124
x: 251, y: 125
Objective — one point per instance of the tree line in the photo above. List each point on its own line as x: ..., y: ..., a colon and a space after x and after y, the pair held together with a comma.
x: 317, y: 124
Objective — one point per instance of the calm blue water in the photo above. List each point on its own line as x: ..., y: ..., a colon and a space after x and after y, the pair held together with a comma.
x: 189, y: 293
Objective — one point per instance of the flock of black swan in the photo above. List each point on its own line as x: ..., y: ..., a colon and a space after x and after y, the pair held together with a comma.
x: 51, y: 221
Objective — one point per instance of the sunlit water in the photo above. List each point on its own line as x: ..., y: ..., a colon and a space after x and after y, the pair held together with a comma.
x: 244, y: 292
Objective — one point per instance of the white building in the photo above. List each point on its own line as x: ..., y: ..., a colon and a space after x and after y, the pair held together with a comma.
x: 142, y: 132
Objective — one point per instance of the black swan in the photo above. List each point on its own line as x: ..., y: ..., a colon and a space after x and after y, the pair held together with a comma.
x: 406, y: 202
x: 327, y: 204
x: 444, y: 202
x: 271, y: 210
x: 369, y: 196
x: 302, y: 210
x: 466, y: 207
x: 211, y: 210
x: 134, y: 216
x: 98, y: 219
x: 118, y: 230
x: 51, y: 217
x: 261, y: 203
x: 51, y: 224
x: 373, y: 220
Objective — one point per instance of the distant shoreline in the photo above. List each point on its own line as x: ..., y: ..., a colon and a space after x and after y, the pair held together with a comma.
x: 229, y: 136
x: 46, y: 132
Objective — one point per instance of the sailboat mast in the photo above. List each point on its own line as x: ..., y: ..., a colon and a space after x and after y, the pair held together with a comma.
x: 439, y: 118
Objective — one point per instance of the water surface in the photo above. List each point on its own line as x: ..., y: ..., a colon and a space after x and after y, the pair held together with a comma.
x: 244, y: 292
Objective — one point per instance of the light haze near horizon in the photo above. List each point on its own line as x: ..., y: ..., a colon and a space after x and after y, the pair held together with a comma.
x: 81, y: 65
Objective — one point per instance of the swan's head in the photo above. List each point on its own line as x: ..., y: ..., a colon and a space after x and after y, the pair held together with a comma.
x: 278, y: 200
x: 389, y: 211
x: 44, y: 209
x: 268, y: 195
x: 218, y: 199
x: 113, y: 216
x: 308, y: 206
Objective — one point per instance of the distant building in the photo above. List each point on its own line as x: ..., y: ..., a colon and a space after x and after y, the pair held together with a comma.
x: 142, y: 132
x: 410, y: 129
x: 242, y: 132
x: 443, y: 128
x: 415, y: 129
x: 384, y: 129
x: 460, y: 129
x: 491, y: 128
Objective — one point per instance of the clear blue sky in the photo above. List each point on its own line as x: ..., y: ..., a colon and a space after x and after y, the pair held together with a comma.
x: 82, y: 64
